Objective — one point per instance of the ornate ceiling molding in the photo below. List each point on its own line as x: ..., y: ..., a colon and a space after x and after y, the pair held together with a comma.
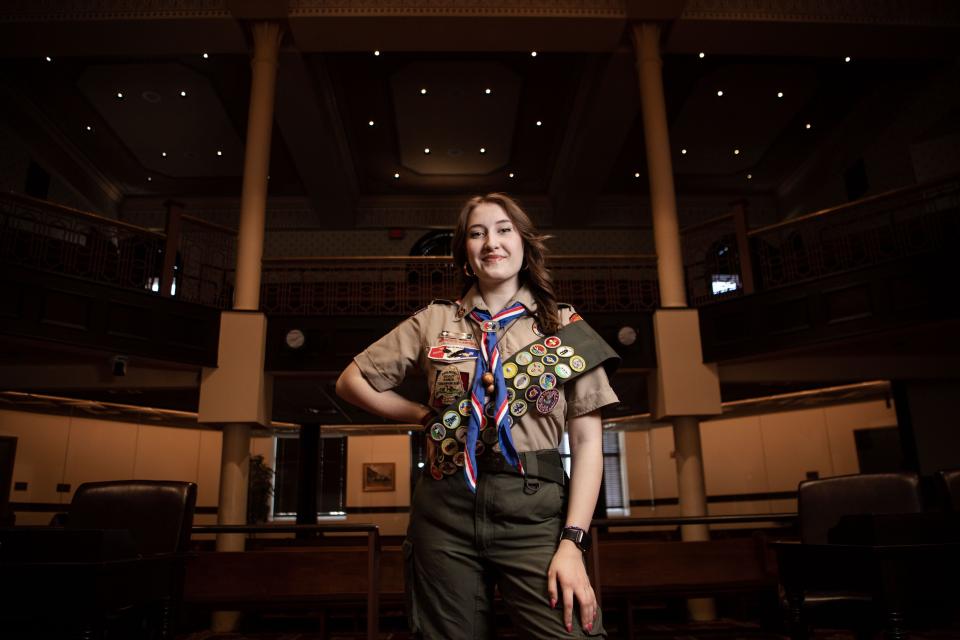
x: 460, y: 8
x: 936, y: 13
x: 86, y: 10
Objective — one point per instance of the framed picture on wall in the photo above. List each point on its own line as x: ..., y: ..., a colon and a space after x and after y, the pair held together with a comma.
x: 379, y: 476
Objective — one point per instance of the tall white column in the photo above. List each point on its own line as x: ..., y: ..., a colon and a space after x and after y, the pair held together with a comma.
x: 666, y: 231
x: 235, y: 453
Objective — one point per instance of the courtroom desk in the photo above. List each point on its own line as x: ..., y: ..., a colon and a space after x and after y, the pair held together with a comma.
x: 76, y: 579
x: 898, y: 578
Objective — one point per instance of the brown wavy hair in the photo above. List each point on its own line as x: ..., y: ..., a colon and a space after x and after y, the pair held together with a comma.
x: 534, y: 273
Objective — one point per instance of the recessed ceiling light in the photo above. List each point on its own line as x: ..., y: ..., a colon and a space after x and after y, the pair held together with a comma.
x: 736, y: 152
x: 370, y: 123
x: 163, y: 154
x: 487, y: 91
x: 483, y: 149
x: 423, y: 92
x: 683, y: 151
x: 847, y: 59
x: 808, y: 126
x: 49, y: 59
x: 719, y: 93
x: 539, y: 123
x: 376, y: 52
x: 119, y: 95
x: 89, y: 128
x: 149, y: 179
x: 533, y: 54
x: 183, y: 94
x: 396, y: 176
x: 511, y: 174
x: 636, y: 174
x: 219, y: 153
x: 206, y: 55
x: 749, y: 176
x: 702, y: 55
x: 426, y: 150
x: 779, y: 94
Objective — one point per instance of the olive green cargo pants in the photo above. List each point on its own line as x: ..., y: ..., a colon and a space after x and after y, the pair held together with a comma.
x: 459, y: 545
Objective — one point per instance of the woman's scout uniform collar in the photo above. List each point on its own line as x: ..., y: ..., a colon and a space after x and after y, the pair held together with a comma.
x: 473, y: 300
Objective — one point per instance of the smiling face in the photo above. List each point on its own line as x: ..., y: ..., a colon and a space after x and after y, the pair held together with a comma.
x: 494, y: 246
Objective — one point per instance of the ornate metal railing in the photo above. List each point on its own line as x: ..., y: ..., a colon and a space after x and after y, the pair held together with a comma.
x: 206, y: 260
x: 722, y: 258
x: 869, y: 231
x: 38, y: 234
x: 195, y: 259
x: 401, y: 285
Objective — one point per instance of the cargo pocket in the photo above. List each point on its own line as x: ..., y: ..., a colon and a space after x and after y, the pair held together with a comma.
x: 409, y: 578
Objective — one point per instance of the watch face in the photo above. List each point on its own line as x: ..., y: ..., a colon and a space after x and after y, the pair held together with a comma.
x: 295, y: 338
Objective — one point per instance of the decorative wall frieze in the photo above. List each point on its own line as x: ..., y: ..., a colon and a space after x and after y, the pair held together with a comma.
x: 460, y: 8
x: 82, y: 10
x: 878, y: 12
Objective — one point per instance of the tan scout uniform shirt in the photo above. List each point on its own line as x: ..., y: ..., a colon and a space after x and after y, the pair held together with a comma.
x: 389, y: 360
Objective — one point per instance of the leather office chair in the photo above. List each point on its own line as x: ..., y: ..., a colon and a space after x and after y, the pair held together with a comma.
x: 949, y: 485
x: 822, y: 503
x: 159, y: 516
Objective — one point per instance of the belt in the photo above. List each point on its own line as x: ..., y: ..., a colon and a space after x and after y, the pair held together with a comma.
x: 545, y: 464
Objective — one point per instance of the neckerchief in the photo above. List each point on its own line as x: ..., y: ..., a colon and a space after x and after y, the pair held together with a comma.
x: 490, y: 361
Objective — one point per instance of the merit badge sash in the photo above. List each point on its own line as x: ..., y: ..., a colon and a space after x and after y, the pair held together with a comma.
x: 533, y: 376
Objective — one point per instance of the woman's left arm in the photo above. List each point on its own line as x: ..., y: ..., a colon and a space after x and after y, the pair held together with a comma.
x: 567, y: 569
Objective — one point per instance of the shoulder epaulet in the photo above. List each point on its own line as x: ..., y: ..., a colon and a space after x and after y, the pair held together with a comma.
x: 433, y: 302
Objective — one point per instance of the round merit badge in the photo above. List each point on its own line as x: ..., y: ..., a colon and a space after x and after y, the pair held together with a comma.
x: 565, y: 351
x: 451, y: 419
x: 480, y: 447
x: 518, y: 408
x: 448, y: 468
x: 435, y: 472
x: 535, y: 369
x: 547, y: 401
x: 458, y: 459
x: 511, y: 394
x: 509, y: 370
x: 562, y: 371
x: 461, y: 434
x: 464, y: 407
x: 548, y: 381
x: 533, y: 392
x: 521, y: 381
x: 577, y: 363
x: 523, y: 358
x: 553, y: 342
x: 437, y: 431
x: 550, y: 359
x: 536, y: 330
x: 449, y: 447
x: 489, y: 409
x: 538, y: 349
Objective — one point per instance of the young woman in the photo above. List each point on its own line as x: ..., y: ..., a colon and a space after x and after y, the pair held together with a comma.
x: 506, y: 379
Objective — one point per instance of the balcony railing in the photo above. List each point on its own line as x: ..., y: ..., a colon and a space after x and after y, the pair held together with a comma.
x: 195, y: 260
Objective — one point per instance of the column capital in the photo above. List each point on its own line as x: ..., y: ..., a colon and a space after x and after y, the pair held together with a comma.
x: 646, y: 41
x: 267, y: 37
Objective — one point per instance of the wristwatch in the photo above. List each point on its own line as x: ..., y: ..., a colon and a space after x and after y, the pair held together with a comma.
x: 577, y: 536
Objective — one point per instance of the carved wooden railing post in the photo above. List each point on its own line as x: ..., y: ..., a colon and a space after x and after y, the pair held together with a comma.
x: 743, y: 248
x: 174, y: 212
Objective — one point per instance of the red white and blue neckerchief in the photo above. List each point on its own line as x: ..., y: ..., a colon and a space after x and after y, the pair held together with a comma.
x: 490, y: 361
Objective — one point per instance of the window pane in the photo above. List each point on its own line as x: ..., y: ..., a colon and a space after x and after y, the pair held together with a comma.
x: 331, y: 476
